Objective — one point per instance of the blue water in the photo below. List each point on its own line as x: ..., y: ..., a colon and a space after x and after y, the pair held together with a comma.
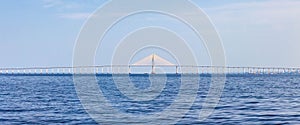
x: 245, y: 100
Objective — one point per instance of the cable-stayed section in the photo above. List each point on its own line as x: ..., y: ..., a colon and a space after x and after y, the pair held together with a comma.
x: 153, y: 60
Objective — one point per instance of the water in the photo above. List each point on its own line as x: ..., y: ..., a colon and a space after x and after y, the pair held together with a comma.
x: 245, y: 100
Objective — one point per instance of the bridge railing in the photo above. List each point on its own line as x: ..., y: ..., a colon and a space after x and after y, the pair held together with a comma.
x: 141, y: 69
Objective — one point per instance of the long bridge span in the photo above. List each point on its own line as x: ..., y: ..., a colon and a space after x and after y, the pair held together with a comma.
x: 148, y: 69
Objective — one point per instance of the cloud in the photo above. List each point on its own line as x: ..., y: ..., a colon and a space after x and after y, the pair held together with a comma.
x: 62, y: 4
x: 52, y: 3
x: 266, y: 30
x: 69, y: 9
x: 77, y: 16
x: 278, y: 11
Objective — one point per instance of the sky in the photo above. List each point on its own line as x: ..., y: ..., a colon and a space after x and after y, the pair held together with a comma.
x: 253, y: 32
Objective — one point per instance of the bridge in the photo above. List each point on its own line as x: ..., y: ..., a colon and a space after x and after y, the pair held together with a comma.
x: 152, y: 64
x: 133, y: 69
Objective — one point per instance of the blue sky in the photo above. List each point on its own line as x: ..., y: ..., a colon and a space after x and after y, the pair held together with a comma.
x: 254, y: 32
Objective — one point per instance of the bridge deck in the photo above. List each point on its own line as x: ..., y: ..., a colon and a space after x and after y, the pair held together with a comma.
x: 141, y: 69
